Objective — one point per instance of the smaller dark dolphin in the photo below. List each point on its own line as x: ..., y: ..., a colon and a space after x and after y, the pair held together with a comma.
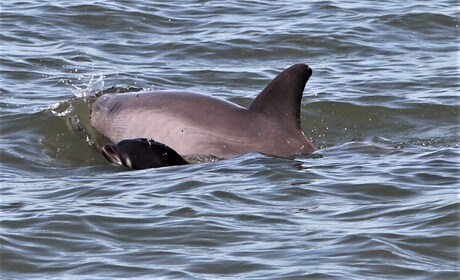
x: 142, y: 153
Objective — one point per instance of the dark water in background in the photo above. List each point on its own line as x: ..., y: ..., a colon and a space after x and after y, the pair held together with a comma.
x: 383, y: 103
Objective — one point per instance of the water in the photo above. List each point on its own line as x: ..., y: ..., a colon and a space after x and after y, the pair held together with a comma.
x: 380, y: 200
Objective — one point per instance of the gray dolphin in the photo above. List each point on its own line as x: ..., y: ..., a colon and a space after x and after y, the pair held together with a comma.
x: 195, y: 124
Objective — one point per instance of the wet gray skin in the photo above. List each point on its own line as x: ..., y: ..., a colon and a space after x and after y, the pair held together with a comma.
x: 196, y: 124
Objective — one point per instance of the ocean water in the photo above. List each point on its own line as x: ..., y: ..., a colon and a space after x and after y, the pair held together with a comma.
x: 379, y: 200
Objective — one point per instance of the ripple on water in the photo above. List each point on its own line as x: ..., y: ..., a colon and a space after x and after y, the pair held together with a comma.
x: 379, y: 200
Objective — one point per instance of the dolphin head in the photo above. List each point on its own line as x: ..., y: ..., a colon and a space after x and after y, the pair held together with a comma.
x: 142, y: 153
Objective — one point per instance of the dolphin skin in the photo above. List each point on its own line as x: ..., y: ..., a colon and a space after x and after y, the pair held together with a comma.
x: 195, y: 124
x: 142, y: 153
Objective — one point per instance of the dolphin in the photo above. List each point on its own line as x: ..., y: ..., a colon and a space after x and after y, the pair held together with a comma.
x: 194, y: 124
x: 142, y: 153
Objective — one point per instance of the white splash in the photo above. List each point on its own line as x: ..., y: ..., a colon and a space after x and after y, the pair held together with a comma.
x: 56, y: 109
x: 90, y: 88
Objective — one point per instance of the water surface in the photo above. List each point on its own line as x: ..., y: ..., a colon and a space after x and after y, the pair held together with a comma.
x: 379, y: 200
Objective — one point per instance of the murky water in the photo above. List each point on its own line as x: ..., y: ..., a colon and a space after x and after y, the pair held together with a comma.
x: 379, y: 200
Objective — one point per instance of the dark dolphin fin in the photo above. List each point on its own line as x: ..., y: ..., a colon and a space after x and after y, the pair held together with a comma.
x: 281, y: 98
x: 141, y: 153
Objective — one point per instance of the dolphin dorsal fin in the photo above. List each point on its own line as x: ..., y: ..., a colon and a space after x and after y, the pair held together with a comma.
x: 281, y: 98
